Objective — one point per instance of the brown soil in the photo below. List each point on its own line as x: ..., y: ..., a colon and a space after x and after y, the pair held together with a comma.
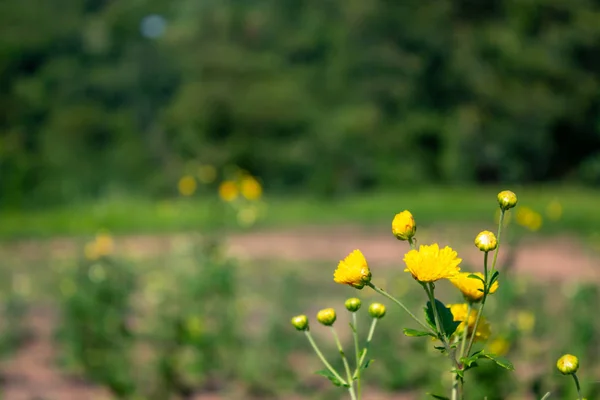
x: 31, y: 374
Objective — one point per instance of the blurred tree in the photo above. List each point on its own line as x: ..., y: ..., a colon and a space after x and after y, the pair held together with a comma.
x: 327, y: 96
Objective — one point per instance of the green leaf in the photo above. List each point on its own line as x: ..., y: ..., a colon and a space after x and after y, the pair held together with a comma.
x: 446, y: 319
x: 327, y: 374
x: 416, y: 333
x: 473, y: 276
x: 494, y: 277
x: 352, y: 327
x: 436, y: 396
x: 367, y: 364
x: 501, y: 361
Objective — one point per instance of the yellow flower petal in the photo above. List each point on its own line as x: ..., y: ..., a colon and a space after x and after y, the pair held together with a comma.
x: 470, y: 287
x: 430, y: 264
x: 353, y: 270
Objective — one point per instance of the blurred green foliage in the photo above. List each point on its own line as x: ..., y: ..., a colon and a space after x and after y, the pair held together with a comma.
x: 330, y: 96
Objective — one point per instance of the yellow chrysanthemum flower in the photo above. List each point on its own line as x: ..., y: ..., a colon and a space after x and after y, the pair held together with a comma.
x: 404, y: 226
x: 250, y: 188
x: 228, y: 191
x: 459, y: 312
x: 470, y: 287
x: 353, y: 270
x: 430, y: 264
x: 187, y: 185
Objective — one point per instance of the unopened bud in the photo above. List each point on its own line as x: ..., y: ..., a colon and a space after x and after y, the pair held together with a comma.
x: 486, y: 241
x: 507, y: 199
x: 404, y: 226
x: 567, y: 364
x: 377, y: 310
x: 353, y: 304
x: 326, y: 316
x: 300, y: 322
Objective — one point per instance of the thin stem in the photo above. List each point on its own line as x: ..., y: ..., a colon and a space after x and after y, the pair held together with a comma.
x: 546, y: 396
x: 578, y: 387
x: 346, y: 365
x: 386, y: 294
x: 442, y: 335
x: 323, y: 359
x: 366, y: 349
x: 465, y: 333
x: 480, y: 312
x: 455, y: 388
x: 501, y: 222
x: 356, y: 354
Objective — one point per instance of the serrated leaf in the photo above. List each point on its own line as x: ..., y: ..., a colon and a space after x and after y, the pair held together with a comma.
x: 437, y: 396
x: 446, y: 318
x: 494, y: 277
x: 473, y: 276
x: 416, y: 333
x: 327, y: 374
x: 367, y: 364
x: 501, y: 361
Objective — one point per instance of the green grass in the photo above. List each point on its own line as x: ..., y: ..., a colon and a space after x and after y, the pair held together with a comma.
x: 429, y: 205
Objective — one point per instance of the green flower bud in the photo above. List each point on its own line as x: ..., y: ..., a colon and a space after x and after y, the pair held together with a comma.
x: 353, y: 304
x: 377, y: 310
x: 300, y: 322
x: 507, y: 199
x: 568, y: 364
x: 486, y: 241
x: 326, y: 316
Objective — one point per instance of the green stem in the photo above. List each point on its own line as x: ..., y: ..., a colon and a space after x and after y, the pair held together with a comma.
x: 323, y: 359
x: 480, y: 312
x: 356, y: 354
x: 386, y: 294
x: 578, y: 387
x: 497, y: 241
x: 346, y: 365
x: 546, y: 396
x: 465, y: 333
x: 366, y: 349
x: 441, y: 334
x: 455, y: 388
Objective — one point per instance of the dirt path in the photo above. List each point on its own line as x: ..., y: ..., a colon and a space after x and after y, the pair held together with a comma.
x: 556, y: 258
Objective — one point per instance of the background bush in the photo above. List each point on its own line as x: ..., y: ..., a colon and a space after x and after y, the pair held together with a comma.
x: 101, y: 97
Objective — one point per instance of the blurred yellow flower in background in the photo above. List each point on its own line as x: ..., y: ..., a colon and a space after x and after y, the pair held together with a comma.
x: 102, y: 245
x: 470, y: 286
x: 459, y: 312
x: 525, y: 321
x: 207, y: 174
x: 194, y: 327
x: 430, y: 264
x: 554, y: 210
x: 529, y: 218
x: 187, y: 185
x: 228, y: 191
x: 353, y: 270
x: 250, y: 188
x: 499, y: 346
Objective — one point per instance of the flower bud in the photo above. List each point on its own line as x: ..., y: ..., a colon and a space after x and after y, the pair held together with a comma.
x: 507, y: 199
x: 326, y: 316
x: 404, y: 226
x: 567, y: 364
x: 300, y: 322
x: 486, y: 241
x: 377, y: 310
x: 353, y: 304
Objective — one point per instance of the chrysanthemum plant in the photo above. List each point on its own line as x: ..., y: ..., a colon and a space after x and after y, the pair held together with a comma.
x: 454, y: 328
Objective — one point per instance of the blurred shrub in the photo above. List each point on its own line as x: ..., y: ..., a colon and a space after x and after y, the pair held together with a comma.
x: 95, y: 330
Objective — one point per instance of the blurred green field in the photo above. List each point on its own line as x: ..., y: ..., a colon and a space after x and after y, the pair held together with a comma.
x: 433, y: 205
x: 193, y: 320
